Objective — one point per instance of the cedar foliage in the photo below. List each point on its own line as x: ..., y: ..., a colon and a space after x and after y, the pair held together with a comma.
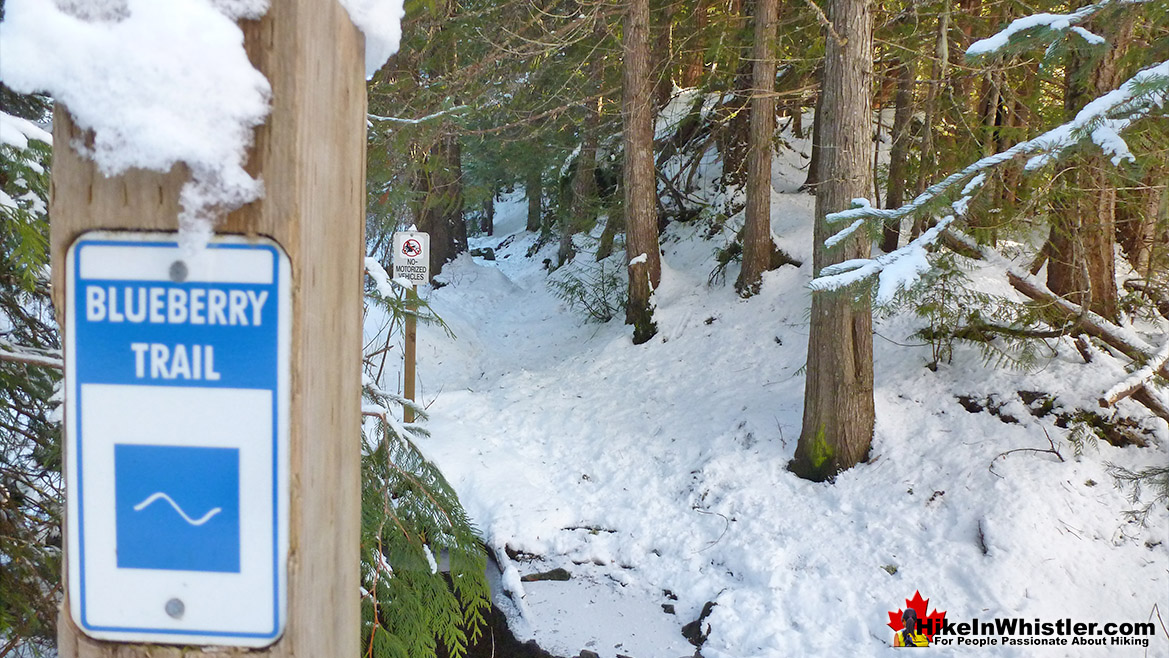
x: 411, y: 521
x: 30, y: 455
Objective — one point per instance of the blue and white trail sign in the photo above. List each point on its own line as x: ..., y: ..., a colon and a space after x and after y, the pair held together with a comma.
x: 177, y: 414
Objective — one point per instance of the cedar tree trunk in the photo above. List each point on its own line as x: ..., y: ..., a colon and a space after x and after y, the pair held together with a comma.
x: 838, y: 389
x: 641, y: 222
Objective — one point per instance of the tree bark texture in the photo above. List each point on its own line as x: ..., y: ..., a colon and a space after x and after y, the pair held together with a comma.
x: 1137, y: 217
x: 440, y: 210
x: 838, y: 390
x: 899, y: 152
x: 694, y: 47
x: 533, y: 188
x: 757, y: 244
x: 488, y: 225
x: 641, y: 223
x: 1083, y: 225
x: 813, y: 177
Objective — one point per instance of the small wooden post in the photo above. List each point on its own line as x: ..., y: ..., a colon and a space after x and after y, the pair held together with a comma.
x: 311, y: 156
x: 409, y: 370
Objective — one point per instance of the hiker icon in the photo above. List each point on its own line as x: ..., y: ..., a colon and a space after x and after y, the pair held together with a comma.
x: 911, y: 635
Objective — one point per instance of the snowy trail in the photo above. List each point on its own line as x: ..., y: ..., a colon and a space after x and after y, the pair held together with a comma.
x: 662, y: 467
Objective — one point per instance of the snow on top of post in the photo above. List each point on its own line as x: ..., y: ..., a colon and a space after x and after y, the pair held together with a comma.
x: 381, y: 23
x: 157, y: 83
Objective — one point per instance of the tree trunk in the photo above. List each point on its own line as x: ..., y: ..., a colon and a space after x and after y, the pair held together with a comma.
x: 1136, y: 220
x: 663, y: 63
x: 583, y: 201
x: 838, y: 390
x: 938, y: 72
x: 453, y: 156
x: 735, y: 117
x: 733, y: 111
x: 582, y: 209
x: 757, y: 244
x: 533, y: 188
x: 1082, y: 264
x: 614, y: 224
x: 813, y: 178
x: 899, y: 153
x: 641, y: 239
x: 488, y: 226
x: 694, y: 54
x: 440, y: 213
x: 990, y: 112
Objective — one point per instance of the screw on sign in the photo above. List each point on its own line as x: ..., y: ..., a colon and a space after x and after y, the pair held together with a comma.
x: 411, y: 248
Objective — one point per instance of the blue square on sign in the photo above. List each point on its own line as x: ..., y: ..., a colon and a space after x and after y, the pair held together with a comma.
x: 177, y: 507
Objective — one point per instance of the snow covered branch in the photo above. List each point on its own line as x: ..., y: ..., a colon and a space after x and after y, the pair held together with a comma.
x: 17, y: 132
x: 381, y: 279
x: 402, y: 430
x: 14, y: 353
x: 1021, y: 27
x: 898, y: 269
x: 428, y: 117
x: 1102, y: 121
x: 1136, y: 380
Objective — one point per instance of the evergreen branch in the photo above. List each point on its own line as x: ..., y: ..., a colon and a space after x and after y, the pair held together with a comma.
x: 1015, y: 33
x: 1150, y: 85
x: 428, y: 117
x: 14, y: 353
x: 410, y: 476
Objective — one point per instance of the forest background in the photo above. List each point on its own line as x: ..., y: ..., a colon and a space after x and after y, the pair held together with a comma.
x: 564, y: 102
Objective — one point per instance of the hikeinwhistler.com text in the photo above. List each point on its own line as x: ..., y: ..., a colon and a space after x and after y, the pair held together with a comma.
x: 1013, y: 631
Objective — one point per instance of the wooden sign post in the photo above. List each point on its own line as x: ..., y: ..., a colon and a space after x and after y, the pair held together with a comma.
x: 410, y: 367
x: 311, y: 156
x: 411, y: 262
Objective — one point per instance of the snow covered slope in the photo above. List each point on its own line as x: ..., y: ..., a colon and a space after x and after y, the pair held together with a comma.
x: 658, y: 471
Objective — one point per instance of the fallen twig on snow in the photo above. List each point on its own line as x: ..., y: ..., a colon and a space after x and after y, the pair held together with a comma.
x: 1053, y: 450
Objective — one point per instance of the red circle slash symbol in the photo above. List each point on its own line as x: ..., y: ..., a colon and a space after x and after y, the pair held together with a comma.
x: 411, y: 248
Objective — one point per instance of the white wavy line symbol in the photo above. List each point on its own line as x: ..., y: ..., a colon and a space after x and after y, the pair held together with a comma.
x: 195, y: 522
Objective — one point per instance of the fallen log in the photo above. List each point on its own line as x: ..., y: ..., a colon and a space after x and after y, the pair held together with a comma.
x: 1137, y: 380
x: 1126, y: 342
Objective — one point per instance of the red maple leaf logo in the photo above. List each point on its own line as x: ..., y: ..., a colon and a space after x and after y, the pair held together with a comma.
x: 930, y: 623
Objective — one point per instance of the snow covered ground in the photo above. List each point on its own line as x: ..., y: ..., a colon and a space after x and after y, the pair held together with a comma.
x: 657, y: 472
